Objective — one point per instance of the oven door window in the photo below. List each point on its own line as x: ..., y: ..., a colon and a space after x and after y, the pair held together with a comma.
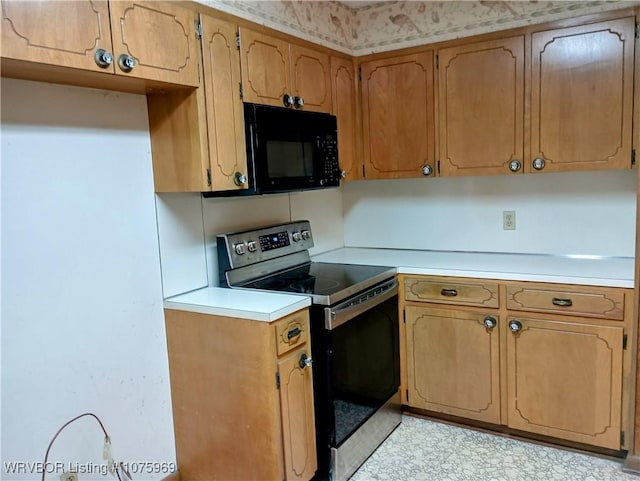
x: 365, y: 366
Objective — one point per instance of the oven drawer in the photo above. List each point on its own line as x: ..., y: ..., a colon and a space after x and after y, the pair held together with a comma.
x: 451, y: 291
x: 292, y: 331
x: 598, y: 302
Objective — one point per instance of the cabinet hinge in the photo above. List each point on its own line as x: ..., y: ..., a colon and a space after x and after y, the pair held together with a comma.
x: 360, y: 74
x: 407, y: 396
x: 404, y: 315
x: 633, y: 156
x: 209, y: 177
x: 621, y: 438
x: 624, y: 341
x: 277, y: 380
x: 198, y: 29
x: 241, y: 91
x: 437, y: 61
x: 637, y: 30
x: 364, y: 174
x: 238, y: 40
x: 438, y: 166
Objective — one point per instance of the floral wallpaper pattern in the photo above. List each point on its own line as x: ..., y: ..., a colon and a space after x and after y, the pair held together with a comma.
x: 389, y: 25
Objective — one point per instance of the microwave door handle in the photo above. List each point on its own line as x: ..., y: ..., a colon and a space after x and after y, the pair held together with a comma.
x: 336, y: 316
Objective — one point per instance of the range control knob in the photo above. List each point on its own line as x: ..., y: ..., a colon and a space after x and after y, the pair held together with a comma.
x: 251, y: 245
x: 239, y: 248
x: 306, y: 234
x: 296, y: 236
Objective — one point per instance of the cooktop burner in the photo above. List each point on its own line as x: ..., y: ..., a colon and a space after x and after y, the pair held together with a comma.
x: 326, y: 283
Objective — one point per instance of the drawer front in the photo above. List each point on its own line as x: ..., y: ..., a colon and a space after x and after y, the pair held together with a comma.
x: 589, y: 302
x: 292, y: 331
x: 451, y: 291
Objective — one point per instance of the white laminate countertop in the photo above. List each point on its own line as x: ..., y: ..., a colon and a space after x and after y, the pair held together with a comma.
x: 592, y: 271
x: 241, y: 303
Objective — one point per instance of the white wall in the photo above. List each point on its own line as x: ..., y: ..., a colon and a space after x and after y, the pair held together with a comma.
x: 589, y: 213
x: 188, y: 225
x: 82, y: 322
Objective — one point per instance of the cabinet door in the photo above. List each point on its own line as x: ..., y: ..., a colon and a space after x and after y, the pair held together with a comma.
x: 343, y: 86
x: 265, y: 68
x: 453, y: 362
x: 311, y: 78
x: 582, y: 97
x: 565, y: 379
x: 298, y: 422
x: 56, y: 33
x: 398, y: 121
x: 225, y: 113
x: 158, y: 37
x: 481, y: 107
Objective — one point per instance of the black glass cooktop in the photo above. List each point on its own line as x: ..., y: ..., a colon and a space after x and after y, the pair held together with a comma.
x: 326, y: 283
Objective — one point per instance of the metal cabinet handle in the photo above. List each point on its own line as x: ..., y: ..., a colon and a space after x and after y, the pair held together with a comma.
x: 239, y: 178
x: 126, y: 62
x: 515, y: 326
x: 449, y: 292
x: 298, y: 102
x: 103, y: 58
x: 427, y: 170
x: 490, y: 322
x: 557, y: 301
x: 287, y: 100
x: 343, y: 174
x: 295, y: 332
x: 515, y: 165
x: 304, y: 361
x: 538, y: 163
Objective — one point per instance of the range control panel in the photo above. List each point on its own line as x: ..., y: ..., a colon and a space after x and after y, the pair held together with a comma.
x: 257, y: 245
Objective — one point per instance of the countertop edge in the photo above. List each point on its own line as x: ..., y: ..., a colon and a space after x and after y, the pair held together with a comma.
x: 239, y: 313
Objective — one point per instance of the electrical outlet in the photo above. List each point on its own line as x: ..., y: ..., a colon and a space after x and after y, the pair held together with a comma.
x: 69, y: 476
x: 509, y: 220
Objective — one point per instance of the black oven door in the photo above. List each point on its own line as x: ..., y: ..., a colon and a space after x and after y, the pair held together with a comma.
x: 291, y: 150
x: 363, y: 358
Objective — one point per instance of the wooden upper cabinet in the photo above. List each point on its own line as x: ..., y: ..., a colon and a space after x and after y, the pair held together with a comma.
x: 398, y: 116
x: 265, y: 68
x: 157, y: 38
x: 197, y: 136
x: 311, y: 77
x: 565, y: 380
x: 56, y: 33
x: 145, y: 40
x: 273, y: 68
x: 582, y: 97
x: 343, y: 86
x: 481, y: 108
x: 225, y: 112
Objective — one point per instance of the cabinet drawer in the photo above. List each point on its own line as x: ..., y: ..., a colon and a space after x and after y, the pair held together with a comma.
x: 581, y: 301
x: 292, y: 331
x: 451, y: 291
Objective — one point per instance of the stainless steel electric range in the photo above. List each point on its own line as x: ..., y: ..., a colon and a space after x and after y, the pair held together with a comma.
x: 354, y: 336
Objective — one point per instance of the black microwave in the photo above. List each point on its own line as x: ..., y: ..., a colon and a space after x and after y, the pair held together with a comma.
x: 290, y: 150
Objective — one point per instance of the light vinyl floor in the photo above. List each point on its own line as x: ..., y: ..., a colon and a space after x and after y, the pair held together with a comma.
x: 423, y: 450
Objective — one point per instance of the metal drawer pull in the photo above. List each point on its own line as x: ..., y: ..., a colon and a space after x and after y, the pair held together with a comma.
x: 562, y: 302
x: 293, y: 333
x: 515, y: 326
x: 449, y: 292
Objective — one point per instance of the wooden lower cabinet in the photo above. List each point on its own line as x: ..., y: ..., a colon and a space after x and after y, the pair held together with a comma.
x: 242, y: 400
x: 565, y: 380
x: 453, y: 362
x: 547, y: 359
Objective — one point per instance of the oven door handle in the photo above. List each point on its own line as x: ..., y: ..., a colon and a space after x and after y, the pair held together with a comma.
x: 344, y: 312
